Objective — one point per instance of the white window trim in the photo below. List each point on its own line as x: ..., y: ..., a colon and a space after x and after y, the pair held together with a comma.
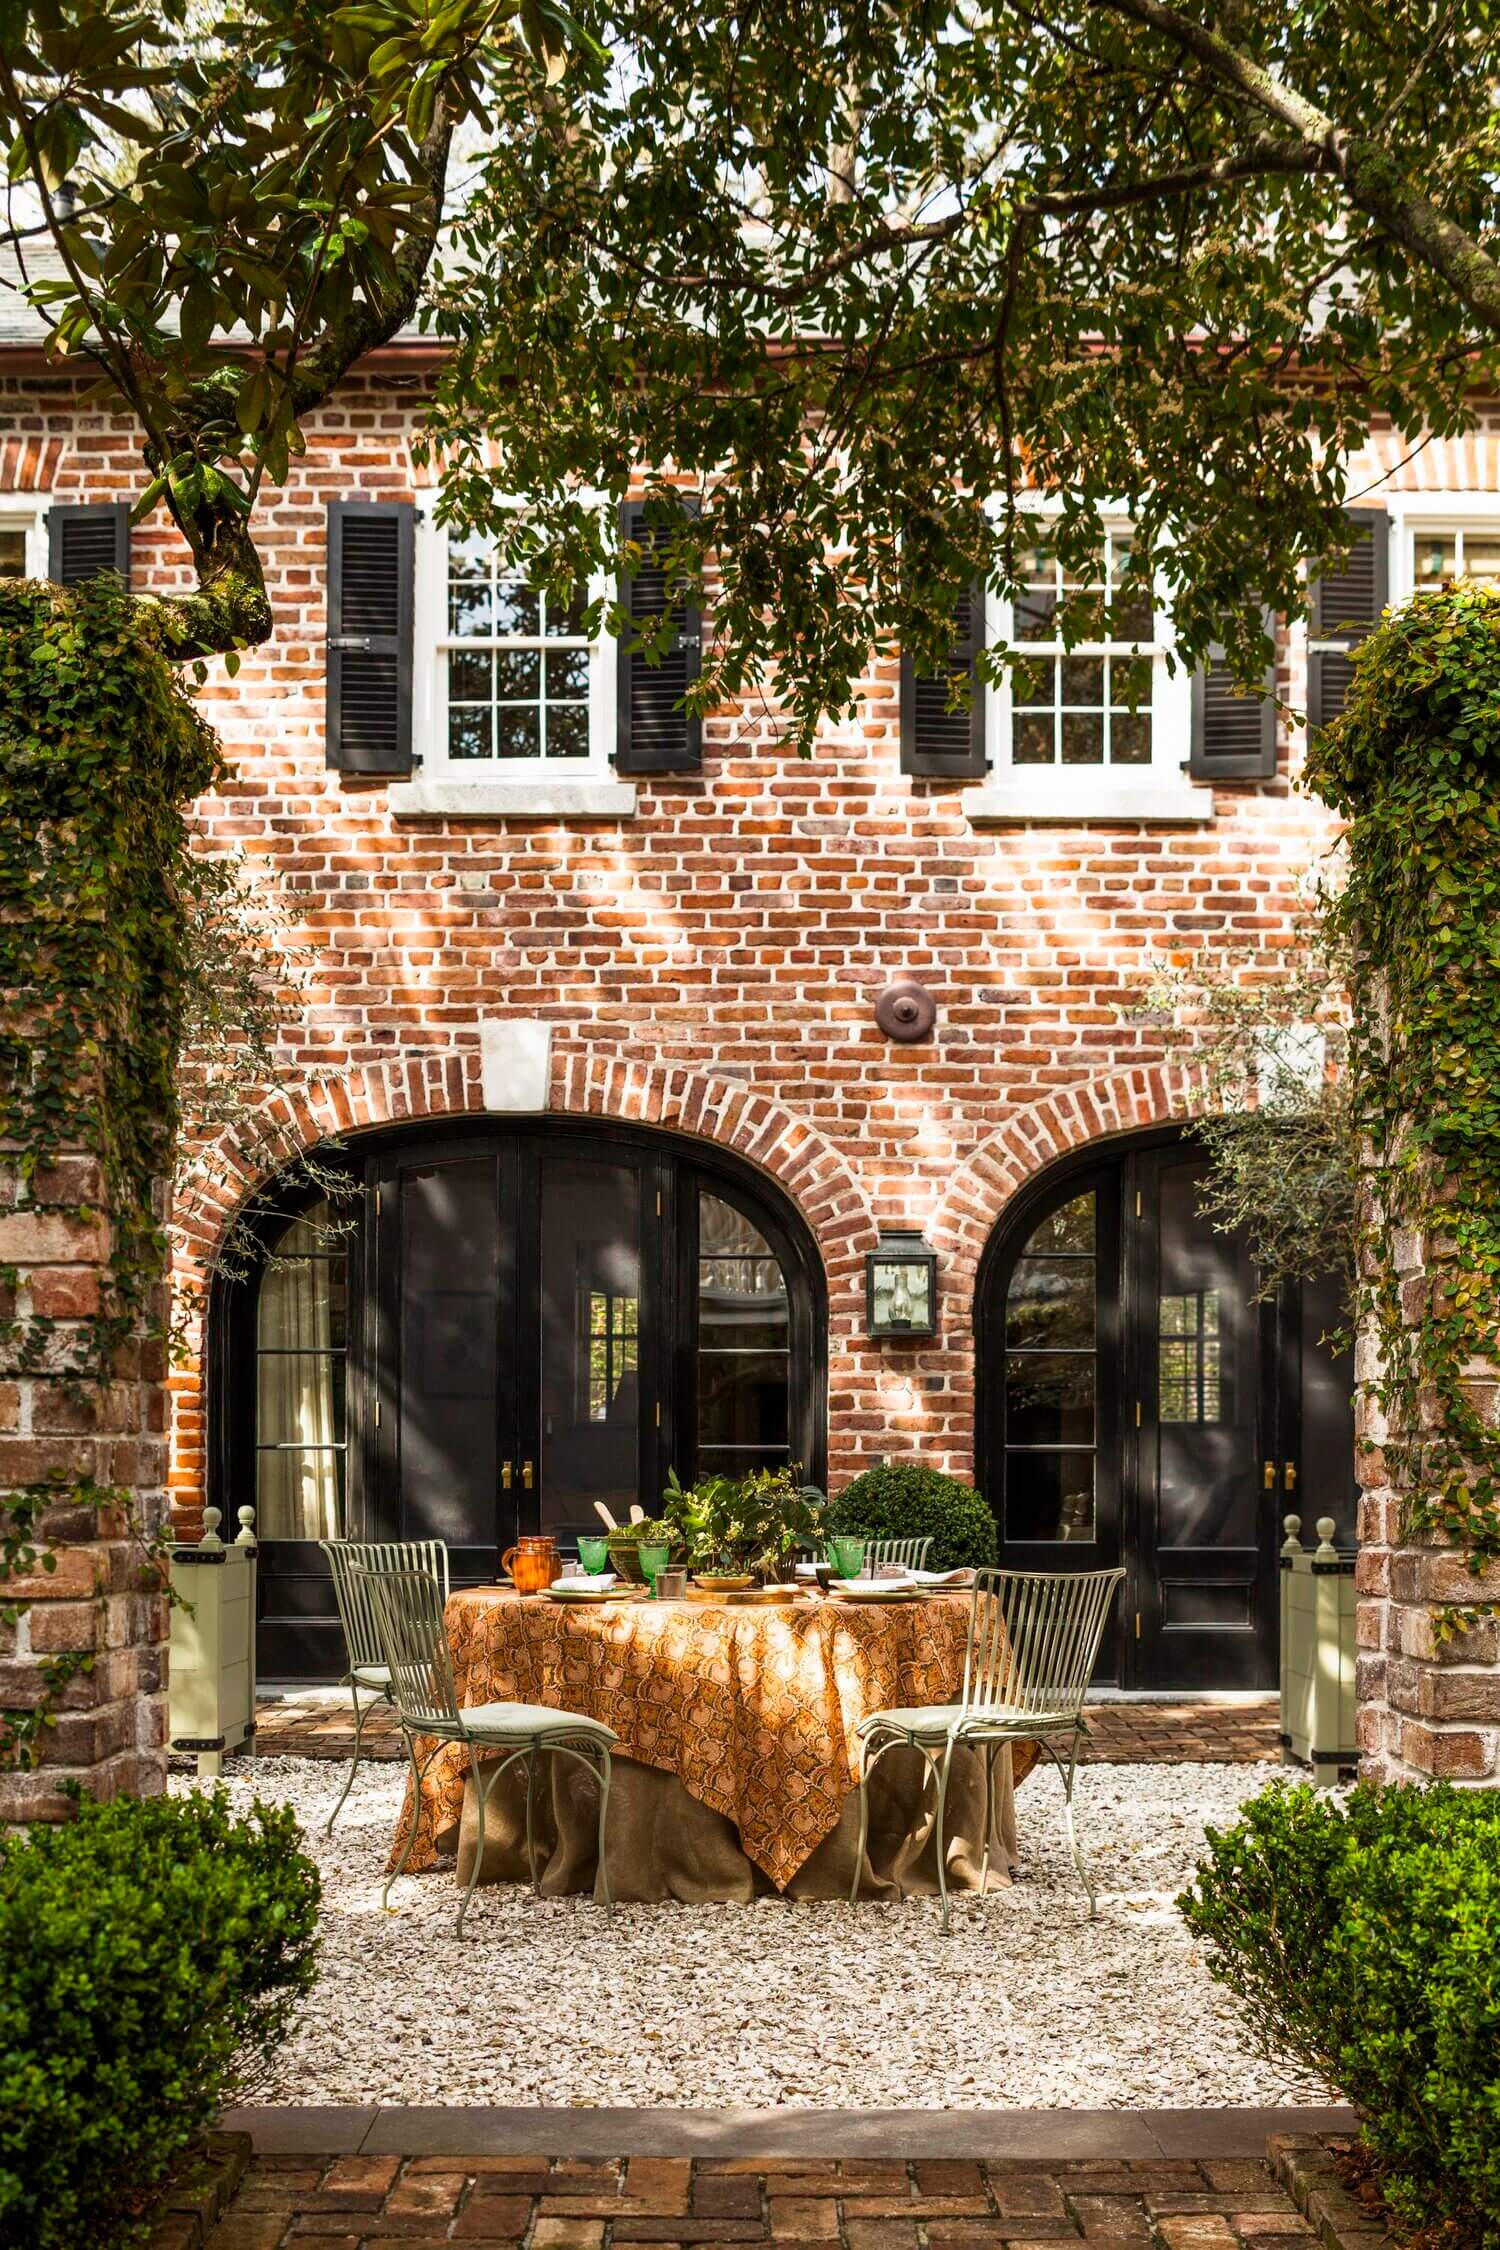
x: 1412, y: 513
x: 1160, y: 791
x: 534, y: 787
x: 30, y: 510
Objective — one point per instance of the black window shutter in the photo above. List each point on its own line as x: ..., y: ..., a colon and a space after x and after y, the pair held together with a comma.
x: 938, y: 744
x: 370, y: 548
x: 653, y: 733
x: 1234, y: 735
x: 1346, y: 606
x: 85, y: 542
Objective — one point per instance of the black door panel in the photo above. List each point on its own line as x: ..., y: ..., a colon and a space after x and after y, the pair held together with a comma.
x: 1139, y: 1402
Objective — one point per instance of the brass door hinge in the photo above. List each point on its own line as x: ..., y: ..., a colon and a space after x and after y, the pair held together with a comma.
x: 377, y: 1414
x: 1137, y: 1624
x: 1137, y: 1413
x: 377, y: 1203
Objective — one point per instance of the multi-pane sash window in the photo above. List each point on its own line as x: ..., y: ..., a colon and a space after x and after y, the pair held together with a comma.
x: 516, y: 686
x: 1466, y: 551
x: 1089, y: 706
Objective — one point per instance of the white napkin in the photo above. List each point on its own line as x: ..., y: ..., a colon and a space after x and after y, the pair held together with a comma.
x: 585, y: 1585
x: 872, y: 1585
x: 943, y: 1577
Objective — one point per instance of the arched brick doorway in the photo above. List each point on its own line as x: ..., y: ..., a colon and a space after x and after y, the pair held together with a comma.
x: 507, y: 1324
x: 1140, y: 1402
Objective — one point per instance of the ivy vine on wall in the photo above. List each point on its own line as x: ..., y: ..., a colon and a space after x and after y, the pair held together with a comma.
x: 1413, y: 764
x: 100, y: 750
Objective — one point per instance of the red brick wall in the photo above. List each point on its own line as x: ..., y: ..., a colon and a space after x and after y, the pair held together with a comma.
x: 712, y: 963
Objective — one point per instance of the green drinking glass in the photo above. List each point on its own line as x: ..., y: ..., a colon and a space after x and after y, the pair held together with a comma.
x: 847, y: 1557
x: 593, y: 1554
x: 654, y: 1561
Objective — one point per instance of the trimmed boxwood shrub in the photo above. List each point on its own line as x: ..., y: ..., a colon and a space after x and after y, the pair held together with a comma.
x: 908, y: 1501
x: 1363, y: 1938
x: 151, y: 1957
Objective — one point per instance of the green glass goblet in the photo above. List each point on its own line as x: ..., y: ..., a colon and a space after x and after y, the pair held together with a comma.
x: 847, y: 1557
x: 654, y: 1561
x: 593, y: 1553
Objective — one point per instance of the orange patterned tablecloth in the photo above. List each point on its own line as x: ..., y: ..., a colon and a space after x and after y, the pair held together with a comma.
x: 754, y: 1710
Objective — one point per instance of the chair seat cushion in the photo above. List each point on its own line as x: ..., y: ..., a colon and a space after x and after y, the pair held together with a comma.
x: 519, y: 1722
x: 934, y: 1722
x: 372, y: 1675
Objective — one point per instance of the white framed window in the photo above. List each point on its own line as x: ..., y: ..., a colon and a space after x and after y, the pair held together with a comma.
x: 510, y: 690
x: 1101, y: 730
x: 23, y: 534
x: 1440, y: 535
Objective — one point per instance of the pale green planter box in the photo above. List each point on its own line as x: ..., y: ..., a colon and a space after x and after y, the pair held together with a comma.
x: 1317, y: 1654
x: 211, y: 1660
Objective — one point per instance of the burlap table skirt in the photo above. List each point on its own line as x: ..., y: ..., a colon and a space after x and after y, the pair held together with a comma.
x: 663, y: 1843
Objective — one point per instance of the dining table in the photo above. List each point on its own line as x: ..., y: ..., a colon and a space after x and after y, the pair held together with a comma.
x: 735, y: 1771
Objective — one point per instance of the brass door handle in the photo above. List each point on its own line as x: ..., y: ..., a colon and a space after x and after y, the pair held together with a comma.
x: 1270, y: 1476
x: 526, y: 1474
x: 1289, y: 1476
x: 505, y: 1475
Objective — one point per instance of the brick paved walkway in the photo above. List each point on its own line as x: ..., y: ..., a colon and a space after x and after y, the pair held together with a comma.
x: 504, y: 2202
x: 1129, y: 1734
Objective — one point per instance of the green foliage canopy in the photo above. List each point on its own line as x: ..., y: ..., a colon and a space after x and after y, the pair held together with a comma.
x: 861, y: 276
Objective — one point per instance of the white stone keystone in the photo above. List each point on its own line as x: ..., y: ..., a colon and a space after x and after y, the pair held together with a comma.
x: 515, y: 1063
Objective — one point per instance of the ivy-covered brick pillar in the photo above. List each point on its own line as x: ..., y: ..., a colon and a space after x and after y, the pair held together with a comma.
x: 1428, y: 1687
x: 100, y: 749
x: 83, y: 1659
x: 1413, y: 763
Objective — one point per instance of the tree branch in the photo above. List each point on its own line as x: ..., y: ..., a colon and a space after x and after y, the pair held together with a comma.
x: 1373, y: 181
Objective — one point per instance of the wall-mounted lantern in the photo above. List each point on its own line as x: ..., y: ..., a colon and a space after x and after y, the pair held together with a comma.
x: 901, y: 1285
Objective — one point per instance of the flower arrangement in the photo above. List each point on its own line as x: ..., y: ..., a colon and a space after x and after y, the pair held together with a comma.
x: 734, y: 1525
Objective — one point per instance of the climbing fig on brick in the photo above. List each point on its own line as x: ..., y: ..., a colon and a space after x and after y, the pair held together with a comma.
x: 1413, y: 764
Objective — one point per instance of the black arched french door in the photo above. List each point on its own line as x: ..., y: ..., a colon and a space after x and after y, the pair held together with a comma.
x: 501, y: 1331
x: 1140, y: 1403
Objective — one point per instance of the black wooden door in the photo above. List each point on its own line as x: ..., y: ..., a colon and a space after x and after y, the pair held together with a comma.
x: 1200, y: 1504
x: 1141, y: 1403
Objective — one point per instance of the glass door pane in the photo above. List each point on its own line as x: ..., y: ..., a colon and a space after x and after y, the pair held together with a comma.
x: 590, y: 1343
x: 744, y: 1345
x: 1051, y: 1381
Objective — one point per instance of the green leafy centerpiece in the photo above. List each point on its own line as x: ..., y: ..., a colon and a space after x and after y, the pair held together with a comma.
x: 738, y: 1528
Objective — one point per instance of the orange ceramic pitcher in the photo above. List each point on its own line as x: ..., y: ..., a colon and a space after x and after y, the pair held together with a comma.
x: 532, y: 1563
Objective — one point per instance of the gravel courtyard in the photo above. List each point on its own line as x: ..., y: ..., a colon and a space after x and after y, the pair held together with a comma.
x: 1027, y: 2005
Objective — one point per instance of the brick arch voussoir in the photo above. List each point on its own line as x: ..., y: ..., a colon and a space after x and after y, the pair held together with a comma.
x: 1101, y: 1109
x: 777, y: 1140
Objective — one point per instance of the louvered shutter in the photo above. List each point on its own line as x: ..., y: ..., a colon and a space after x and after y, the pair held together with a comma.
x: 85, y: 542
x: 1234, y: 735
x: 938, y: 744
x: 370, y: 546
x: 654, y: 734
x: 1346, y: 606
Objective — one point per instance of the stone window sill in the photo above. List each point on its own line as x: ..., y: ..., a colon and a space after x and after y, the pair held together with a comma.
x: 1013, y: 801
x: 566, y: 798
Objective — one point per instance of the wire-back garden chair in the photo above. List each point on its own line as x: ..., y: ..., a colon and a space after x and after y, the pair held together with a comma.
x: 905, y: 1554
x: 1033, y: 1640
x: 409, y: 1617
x: 367, y: 1667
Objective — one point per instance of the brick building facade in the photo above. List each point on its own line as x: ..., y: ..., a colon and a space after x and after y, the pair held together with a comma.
x: 697, y: 957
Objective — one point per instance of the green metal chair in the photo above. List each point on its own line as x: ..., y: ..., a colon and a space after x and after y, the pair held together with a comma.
x: 907, y: 1554
x: 347, y: 1558
x: 410, y: 1620
x: 1033, y: 1639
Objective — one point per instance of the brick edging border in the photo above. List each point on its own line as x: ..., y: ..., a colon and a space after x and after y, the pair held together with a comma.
x: 1303, y: 2163
x: 199, y: 2196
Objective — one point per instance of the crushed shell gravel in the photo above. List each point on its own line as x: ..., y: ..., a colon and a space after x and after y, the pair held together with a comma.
x: 1027, y: 2005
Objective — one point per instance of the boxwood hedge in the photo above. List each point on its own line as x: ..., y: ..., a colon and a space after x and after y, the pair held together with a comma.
x: 151, y: 1957
x: 1363, y: 1938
